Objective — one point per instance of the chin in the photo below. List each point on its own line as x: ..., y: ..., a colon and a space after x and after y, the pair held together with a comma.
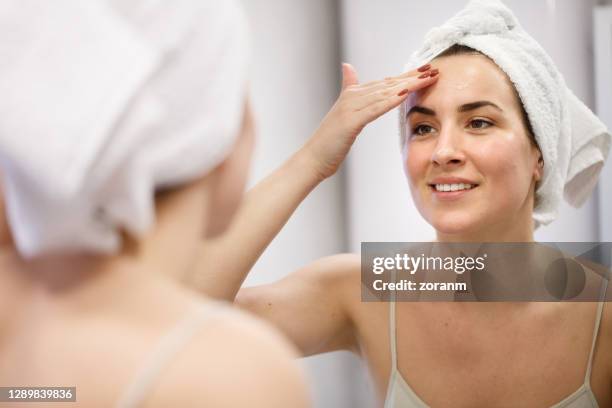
x: 450, y: 223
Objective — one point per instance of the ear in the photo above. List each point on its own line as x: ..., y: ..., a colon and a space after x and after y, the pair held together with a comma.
x: 5, y: 232
x: 539, y: 169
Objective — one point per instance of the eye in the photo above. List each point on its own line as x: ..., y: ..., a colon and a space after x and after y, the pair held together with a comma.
x: 421, y: 130
x: 480, y: 124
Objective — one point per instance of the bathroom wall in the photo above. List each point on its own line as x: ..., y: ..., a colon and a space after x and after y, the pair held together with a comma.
x: 603, y: 91
x: 294, y: 81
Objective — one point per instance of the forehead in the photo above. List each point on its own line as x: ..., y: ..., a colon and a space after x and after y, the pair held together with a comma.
x: 464, y: 79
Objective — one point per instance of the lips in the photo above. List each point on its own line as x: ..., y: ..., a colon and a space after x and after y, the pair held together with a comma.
x: 450, y: 195
x: 452, y: 180
x: 448, y: 182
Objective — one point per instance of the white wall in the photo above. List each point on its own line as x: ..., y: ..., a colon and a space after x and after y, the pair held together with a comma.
x: 295, y: 74
x: 378, y: 42
x: 603, y: 77
x: 293, y: 84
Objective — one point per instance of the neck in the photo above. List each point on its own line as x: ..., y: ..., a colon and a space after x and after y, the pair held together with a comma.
x: 80, y: 282
x: 76, y: 280
x: 486, y: 235
x: 511, y: 229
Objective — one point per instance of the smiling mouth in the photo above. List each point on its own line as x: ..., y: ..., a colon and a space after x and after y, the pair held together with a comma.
x: 452, y: 188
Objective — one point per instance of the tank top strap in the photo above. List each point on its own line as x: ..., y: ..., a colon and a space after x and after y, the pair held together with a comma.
x: 602, y: 297
x: 164, y: 352
x: 392, y: 329
x: 392, y: 333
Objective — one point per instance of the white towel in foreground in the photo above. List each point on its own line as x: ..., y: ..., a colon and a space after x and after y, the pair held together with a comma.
x: 574, y: 142
x: 102, y: 105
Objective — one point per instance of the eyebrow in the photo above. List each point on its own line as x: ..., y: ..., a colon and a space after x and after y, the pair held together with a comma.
x: 463, y: 108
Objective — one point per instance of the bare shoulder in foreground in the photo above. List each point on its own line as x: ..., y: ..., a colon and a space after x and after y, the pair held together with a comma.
x: 234, y: 361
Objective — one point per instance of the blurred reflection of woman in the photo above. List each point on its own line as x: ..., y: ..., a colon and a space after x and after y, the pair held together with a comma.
x: 121, y: 146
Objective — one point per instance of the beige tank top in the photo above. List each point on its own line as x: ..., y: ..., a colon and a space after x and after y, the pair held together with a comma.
x: 400, y: 394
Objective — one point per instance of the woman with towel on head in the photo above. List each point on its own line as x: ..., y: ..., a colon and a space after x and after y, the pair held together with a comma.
x: 499, y: 121
x: 121, y: 147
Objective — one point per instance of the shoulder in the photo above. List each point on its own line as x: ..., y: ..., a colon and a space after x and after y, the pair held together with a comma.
x: 338, y: 279
x: 235, y: 360
x: 340, y: 276
x: 335, y: 270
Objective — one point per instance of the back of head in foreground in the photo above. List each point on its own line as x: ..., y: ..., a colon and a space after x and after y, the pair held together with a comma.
x: 493, y: 147
x: 116, y: 168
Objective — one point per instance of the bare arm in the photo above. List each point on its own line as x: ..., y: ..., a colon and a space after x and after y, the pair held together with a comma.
x: 225, y: 262
x: 311, y: 306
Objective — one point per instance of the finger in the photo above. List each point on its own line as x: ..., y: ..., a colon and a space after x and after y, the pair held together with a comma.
x: 412, y: 84
x: 377, y: 86
x: 422, y: 81
x: 383, y: 92
x: 416, y: 73
x: 380, y: 106
x: 349, y: 75
x: 373, y: 85
x: 374, y: 111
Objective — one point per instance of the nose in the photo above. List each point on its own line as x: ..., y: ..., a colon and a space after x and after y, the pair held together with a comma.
x: 448, y: 152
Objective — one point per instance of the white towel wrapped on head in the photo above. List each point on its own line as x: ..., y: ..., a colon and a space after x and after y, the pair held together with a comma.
x: 103, y: 104
x: 573, y: 141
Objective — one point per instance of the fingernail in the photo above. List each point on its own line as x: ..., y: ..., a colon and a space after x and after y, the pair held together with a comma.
x: 425, y: 75
x: 434, y: 72
x: 404, y: 92
x: 424, y: 68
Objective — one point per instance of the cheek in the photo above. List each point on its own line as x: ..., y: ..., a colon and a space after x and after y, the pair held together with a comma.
x: 504, y: 165
x: 416, y: 161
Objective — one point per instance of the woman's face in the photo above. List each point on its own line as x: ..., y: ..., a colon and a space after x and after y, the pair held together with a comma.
x: 467, y: 128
